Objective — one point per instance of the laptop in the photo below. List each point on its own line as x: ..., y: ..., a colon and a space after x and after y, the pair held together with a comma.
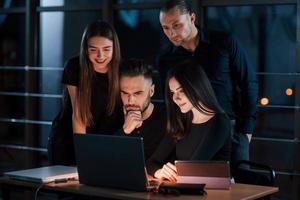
x: 111, y: 161
x: 45, y: 174
x: 214, y: 174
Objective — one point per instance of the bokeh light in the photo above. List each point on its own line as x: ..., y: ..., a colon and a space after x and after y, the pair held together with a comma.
x: 289, y: 92
x: 264, y: 101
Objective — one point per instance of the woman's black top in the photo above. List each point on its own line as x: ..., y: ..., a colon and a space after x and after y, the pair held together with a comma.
x: 207, y: 141
x: 102, y: 123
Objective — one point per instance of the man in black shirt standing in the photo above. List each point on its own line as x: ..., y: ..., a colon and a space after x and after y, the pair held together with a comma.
x: 142, y: 117
x: 232, y: 77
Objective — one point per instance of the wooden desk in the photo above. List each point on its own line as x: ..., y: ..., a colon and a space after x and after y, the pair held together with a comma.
x: 237, y: 191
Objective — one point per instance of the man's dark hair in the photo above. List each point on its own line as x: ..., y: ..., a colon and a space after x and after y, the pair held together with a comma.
x: 183, y: 6
x: 136, y: 67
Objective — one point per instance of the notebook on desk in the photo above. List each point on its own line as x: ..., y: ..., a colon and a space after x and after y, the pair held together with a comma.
x: 111, y: 161
x: 214, y: 174
x: 44, y: 174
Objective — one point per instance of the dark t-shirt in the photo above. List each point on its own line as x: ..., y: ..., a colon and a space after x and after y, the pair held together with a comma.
x: 101, y: 122
x: 152, y: 130
x: 206, y: 141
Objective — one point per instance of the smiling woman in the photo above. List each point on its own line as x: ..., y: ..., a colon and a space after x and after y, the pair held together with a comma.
x: 100, y: 50
x: 92, y: 81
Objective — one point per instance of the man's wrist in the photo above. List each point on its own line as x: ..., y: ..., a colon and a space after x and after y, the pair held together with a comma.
x: 126, y: 131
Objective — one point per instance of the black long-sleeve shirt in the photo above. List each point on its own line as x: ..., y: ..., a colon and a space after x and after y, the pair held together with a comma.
x: 232, y: 77
x: 207, y: 141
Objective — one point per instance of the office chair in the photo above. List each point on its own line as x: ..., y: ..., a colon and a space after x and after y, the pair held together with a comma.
x: 249, y: 172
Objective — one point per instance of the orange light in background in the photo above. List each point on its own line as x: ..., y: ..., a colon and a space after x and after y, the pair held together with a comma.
x: 264, y: 101
x: 289, y: 92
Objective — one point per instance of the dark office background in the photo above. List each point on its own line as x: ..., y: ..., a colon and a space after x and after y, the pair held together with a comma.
x: 36, y: 38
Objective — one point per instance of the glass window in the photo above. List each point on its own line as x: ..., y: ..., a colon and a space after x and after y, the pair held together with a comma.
x: 277, y: 90
x: 14, y: 134
x: 12, y: 40
x: 268, y: 33
x: 11, y: 4
x: 275, y: 123
x: 140, y: 1
x: 73, y: 3
x: 12, y: 80
x: 13, y: 107
x: 140, y: 33
x: 15, y: 80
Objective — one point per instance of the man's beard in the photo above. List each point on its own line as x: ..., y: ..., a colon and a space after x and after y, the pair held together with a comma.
x: 185, y: 39
x: 145, y: 106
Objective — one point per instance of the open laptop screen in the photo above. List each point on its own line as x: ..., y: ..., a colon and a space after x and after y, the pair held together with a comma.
x: 112, y: 161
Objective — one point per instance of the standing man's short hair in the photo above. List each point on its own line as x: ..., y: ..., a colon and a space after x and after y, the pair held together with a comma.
x: 182, y: 5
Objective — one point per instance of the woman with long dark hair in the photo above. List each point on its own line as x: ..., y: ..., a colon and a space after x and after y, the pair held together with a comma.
x: 197, y: 127
x: 92, y: 79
